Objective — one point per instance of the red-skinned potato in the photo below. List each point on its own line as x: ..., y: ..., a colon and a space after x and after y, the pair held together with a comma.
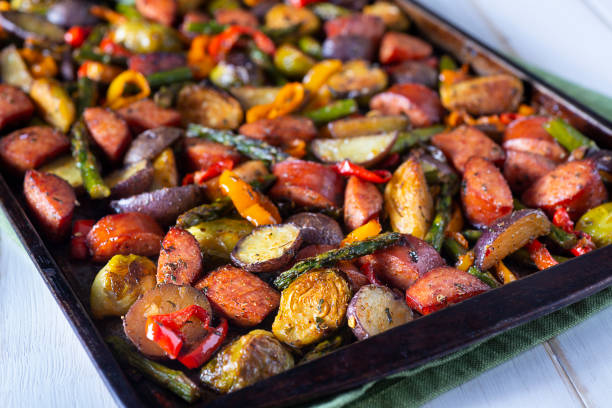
x: 124, y: 234
x: 180, y: 258
x: 52, y: 201
x: 416, y: 101
x: 507, y: 235
x: 318, y: 229
x: 267, y: 248
x: 576, y: 186
x: 362, y: 202
x: 442, y: 287
x: 15, y: 106
x: 150, y: 143
x: 348, y: 47
x: 417, y: 72
x: 375, y: 309
x: 133, y: 179
x: 484, y: 192
x: 239, y: 295
x: 163, y: 299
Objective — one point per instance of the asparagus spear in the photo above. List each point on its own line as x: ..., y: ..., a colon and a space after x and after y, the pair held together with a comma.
x: 435, y: 235
x: 174, y: 380
x: 207, y: 27
x: 86, y: 162
x: 329, y: 258
x: 408, y: 139
x: 262, y: 60
x: 253, y: 148
x: 454, y: 250
x: 567, y: 135
x: 169, y: 77
x: 309, y: 45
x: 447, y: 62
x: 87, y: 94
x: 485, y: 277
x: 333, y: 111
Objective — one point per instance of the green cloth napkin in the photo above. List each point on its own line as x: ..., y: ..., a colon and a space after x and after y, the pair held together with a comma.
x: 416, y: 387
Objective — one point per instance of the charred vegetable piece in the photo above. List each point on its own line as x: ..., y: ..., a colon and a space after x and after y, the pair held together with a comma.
x: 292, y: 62
x: 311, y: 307
x: 165, y: 173
x: 318, y: 229
x: 66, y: 168
x: 30, y: 147
x: 311, y: 47
x: 69, y: 13
x: 180, y: 259
x: 124, y: 234
x: 218, y: 238
x: 329, y: 258
x: 352, y: 127
x: 87, y: 163
x: 54, y: 103
x: 361, y: 150
x: 170, y: 76
x: 375, y: 309
x: 205, y: 212
x: 283, y: 16
x: 323, y: 348
x: 597, y: 222
x: 119, y: 283
x: 239, y: 295
x: 333, y: 111
x: 87, y: 94
x: 357, y: 79
x: 417, y: 72
x: 134, y: 179
x: 250, y: 96
x: 163, y: 299
x: 484, y: 95
x: 329, y: 11
x: 408, y: 201
x: 408, y: 139
x: 31, y: 26
x: 567, y: 135
x: 164, y: 205
x: 442, y: 287
x: 251, y: 358
x: 509, y: 234
x: 14, y: 70
x: 209, y: 107
x: 150, y: 143
x: 419, y: 103
x: 348, y: 47
x: 267, y: 248
x: 253, y: 148
x: 176, y: 381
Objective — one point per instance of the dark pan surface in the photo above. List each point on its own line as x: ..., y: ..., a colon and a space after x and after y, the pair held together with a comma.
x: 405, y: 347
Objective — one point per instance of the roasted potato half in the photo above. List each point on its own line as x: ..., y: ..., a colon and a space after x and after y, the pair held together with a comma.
x: 313, y: 306
x: 267, y: 248
x: 218, y: 238
x: 119, y: 283
x: 317, y: 229
x: 357, y: 79
x: 209, y: 107
x: 133, y: 179
x: 362, y: 150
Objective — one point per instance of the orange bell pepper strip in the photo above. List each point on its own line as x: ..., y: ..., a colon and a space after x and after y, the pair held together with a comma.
x: 198, y: 59
x: 367, y: 230
x: 97, y: 71
x: 114, y: 95
x: 288, y: 99
x: 504, y: 274
x: 465, y: 261
x: 297, y: 148
x: 247, y: 201
x: 107, y: 14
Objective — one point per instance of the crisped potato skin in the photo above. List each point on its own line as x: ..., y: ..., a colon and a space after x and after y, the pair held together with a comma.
x: 408, y: 201
x: 127, y: 233
x: 209, y: 107
x: 576, y: 186
x: 484, y: 95
x: 362, y: 202
x: 418, y: 102
x: 52, y: 200
x: 484, y: 192
x: 109, y: 131
x: 180, y: 258
x: 239, y: 295
x: 15, y: 106
x: 442, y: 287
x: 247, y: 360
x: 464, y: 142
x: 30, y: 147
x: 313, y: 306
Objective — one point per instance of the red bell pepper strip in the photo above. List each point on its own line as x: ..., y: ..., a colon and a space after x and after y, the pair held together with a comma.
x: 76, y: 36
x: 222, y: 43
x: 205, y: 350
x: 302, y: 3
x: 540, y: 255
x: 199, y: 177
x: 165, y: 329
x: 562, y: 220
x: 391, y: 161
x: 108, y: 46
x: 584, y: 245
x: 78, y: 240
x: 368, y: 270
x: 346, y: 168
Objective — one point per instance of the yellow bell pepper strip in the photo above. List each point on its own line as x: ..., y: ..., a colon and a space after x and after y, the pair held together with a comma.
x: 465, y: 261
x: 288, y: 99
x: 455, y: 224
x: 368, y: 230
x: 504, y: 274
x: 114, y: 95
x: 319, y: 74
x: 198, y: 59
x: 247, y: 201
x: 322, y: 98
x: 41, y: 66
x: 99, y: 72
x: 297, y: 148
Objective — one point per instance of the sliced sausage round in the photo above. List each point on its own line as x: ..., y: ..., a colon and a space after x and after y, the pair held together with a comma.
x: 15, y: 106
x: 280, y: 131
x: 31, y: 147
x: 180, y: 258
x: 398, y: 47
x: 419, y: 103
x: 522, y: 169
x: 108, y: 130
x: 362, y: 202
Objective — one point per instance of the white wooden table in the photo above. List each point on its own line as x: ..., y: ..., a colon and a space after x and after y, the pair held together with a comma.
x: 43, y: 364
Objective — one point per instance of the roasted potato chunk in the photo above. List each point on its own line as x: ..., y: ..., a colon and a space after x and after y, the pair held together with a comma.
x: 218, y: 238
x: 209, y: 107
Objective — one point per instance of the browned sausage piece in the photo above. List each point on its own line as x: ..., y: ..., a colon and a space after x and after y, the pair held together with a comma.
x: 281, y: 131
x: 180, y: 258
x: 124, y: 234
x: 368, y: 26
x: 109, y: 131
x: 530, y: 128
x: 148, y: 64
x: 484, y: 192
x: 145, y: 114
x: 576, y: 186
x: 51, y: 199
x: 236, y: 17
x: 362, y: 202
x: 522, y: 169
x: 162, y: 11
x: 239, y: 295
x: 31, y: 147
x: 442, y: 287
x: 464, y: 142
x: 15, y: 106
x: 201, y: 154
x: 550, y: 150
x: 307, y: 184
x: 398, y: 47
x: 419, y: 103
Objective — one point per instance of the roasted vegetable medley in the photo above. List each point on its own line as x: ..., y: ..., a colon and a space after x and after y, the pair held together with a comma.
x: 272, y: 181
